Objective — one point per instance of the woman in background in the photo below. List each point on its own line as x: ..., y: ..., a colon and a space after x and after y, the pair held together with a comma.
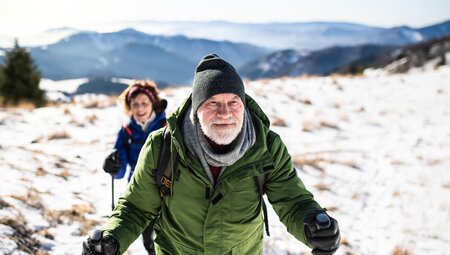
x: 147, y: 114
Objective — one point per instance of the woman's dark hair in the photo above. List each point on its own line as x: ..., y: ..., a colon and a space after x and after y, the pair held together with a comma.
x: 147, y: 87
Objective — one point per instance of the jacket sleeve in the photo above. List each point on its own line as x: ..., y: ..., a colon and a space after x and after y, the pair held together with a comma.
x: 286, y: 191
x: 140, y: 203
x: 120, y: 146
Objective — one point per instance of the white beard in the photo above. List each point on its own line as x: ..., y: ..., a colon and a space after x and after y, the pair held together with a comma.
x: 221, y: 136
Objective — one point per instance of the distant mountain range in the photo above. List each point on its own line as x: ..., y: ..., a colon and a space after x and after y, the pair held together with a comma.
x: 132, y: 54
x: 169, y: 51
x: 300, y: 36
x: 323, y: 62
x: 352, y: 59
x: 435, y: 52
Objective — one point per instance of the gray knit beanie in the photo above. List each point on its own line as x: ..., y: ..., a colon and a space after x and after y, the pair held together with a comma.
x: 214, y: 75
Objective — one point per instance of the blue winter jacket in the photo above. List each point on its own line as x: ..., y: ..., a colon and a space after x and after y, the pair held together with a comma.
x: 129, y: 146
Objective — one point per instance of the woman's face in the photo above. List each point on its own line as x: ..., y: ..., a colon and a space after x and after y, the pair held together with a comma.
x: 141, y: 107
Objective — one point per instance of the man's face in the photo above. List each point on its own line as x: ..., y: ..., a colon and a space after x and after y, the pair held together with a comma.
x: 221, y: 117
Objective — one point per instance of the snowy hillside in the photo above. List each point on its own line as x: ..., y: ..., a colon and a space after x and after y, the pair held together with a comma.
x: 374, y: 149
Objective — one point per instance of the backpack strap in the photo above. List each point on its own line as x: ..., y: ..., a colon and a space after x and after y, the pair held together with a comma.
x: 127, y: 129
x: 260, y: 182
x: 128, y: 136
x: 166, y: 163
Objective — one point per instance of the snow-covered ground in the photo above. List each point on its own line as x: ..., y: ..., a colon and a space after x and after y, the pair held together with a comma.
x: 374, y: 149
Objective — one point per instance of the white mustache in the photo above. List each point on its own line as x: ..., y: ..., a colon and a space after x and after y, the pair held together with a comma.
x: 222, y: 122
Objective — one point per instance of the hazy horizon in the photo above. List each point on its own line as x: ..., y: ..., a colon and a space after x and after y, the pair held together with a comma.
x: 83, y: 14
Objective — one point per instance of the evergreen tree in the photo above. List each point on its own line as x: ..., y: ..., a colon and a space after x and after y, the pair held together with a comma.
x: 21, y: 78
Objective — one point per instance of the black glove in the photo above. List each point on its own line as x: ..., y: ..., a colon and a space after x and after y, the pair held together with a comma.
x: 112, y: 163
x: 97, y: 244
x: 322, y: 233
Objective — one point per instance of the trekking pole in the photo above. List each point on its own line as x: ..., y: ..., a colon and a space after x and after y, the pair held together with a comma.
x: 111, y: 165
x: 112, y: 192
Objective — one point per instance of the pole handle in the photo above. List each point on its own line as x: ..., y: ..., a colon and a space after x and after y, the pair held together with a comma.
x: 96, y: 238
x: 322, y: 221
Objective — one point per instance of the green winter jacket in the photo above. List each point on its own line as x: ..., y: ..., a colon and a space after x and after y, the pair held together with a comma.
x: 201, y: 219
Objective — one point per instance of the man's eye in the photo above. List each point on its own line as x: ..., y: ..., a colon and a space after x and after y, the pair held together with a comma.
x: 234, y: 104
x: 213, y: 104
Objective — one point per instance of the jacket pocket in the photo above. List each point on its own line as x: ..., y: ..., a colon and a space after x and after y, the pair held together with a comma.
x: 251, y: 246
x: 245, y: 201
x: 165, y: 247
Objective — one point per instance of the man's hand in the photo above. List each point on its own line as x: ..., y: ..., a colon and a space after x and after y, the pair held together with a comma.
x: 112, y: 163
x: 97, y: 244
x: 322, y: 233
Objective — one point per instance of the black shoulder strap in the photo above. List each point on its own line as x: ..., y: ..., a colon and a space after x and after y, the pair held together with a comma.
x: 166, y: 160
x: 260, y: 186
x: 260, y: 182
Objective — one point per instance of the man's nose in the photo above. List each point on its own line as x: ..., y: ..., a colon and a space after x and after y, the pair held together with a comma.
x: 224, y: 110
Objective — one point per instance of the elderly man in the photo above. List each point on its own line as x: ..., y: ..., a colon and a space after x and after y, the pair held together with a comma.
x: 223, y: 142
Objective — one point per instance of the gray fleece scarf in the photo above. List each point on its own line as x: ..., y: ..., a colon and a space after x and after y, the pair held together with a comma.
x: 197, y: 144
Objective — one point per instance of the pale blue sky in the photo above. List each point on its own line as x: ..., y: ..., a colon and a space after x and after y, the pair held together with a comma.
x: 29, y: 16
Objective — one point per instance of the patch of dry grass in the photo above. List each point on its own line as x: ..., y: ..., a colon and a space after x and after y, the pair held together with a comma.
x: 348, y: 163
x: 396, y: 162
x: 76, y: 214
x: 321, y: 187
x: 327, y: 124
x: 314, y: 160
x: 4, y: 204
x: 400, y: 251
x: 23, y: 104
x: 347, y: 247
x: 65, y: 174
x: 97, y: 102
x: 306, y: 102
x: 332, y: 208
x: 92, y: 118
x: 92, y: 104
x: 276, y: 121
x: 22, y: 235
x: 310, y: 126
x: 67, y: 111
x: 61, y: 134
x: 32, y: 198
x: 41, y: 172
x: 46, y: 233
